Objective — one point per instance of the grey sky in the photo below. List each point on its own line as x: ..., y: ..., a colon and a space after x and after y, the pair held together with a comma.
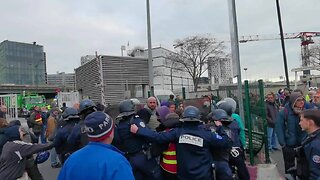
x: 71, y: 29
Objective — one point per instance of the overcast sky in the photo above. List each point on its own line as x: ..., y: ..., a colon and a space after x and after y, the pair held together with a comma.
x: 71, y: 29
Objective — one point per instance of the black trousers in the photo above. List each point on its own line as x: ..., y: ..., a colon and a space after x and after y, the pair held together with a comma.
x: 289, y: 156
x: 239, y: 162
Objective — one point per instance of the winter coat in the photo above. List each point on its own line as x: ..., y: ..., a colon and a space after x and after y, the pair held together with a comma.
x: 3, y: 138
x: 271, y: 112
x: 287, y: 127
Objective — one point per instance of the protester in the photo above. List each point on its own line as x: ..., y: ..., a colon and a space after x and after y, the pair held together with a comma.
x: 3, y: 137
x: 52, y: 124
x: 36, y: 121
x: 271, y: 113
x: 151, y: 107
x: 3, y: 111
x: 15, y: 152
x: 288, y: 130
x: 99, y: 159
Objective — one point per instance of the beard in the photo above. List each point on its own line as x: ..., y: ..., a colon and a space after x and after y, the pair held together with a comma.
x: 297, y: 110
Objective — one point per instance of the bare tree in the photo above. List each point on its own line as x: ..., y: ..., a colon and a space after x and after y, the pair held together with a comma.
x: 173, y: 65
x: 193, y: 53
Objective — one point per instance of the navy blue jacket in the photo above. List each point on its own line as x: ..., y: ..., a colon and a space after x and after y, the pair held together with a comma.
x: 288, y: 130
x: 194, y: 147
x: 131, y: 143
x: 61, y: 139
x: 312, y: 152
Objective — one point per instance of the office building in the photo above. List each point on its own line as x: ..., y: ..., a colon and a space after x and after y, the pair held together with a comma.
x: 22, y: 63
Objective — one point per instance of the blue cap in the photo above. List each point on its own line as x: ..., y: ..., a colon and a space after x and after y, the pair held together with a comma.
x: 99, y: 126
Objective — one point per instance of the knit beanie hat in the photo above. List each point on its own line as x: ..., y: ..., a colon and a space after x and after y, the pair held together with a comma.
x: 99, y: 126
x: 12, y: 133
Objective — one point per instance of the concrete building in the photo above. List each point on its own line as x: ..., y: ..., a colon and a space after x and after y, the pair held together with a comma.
x: 63, y: 80
x: 87, y: 58
x: 122, y: 77
x: 220, y: 71
x: 22, y: 63
x: 166, y: 74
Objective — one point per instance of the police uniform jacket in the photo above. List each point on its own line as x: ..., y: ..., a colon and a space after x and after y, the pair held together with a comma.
x: 312, y: 152
x: 132, y: 143
x: 194, y: 146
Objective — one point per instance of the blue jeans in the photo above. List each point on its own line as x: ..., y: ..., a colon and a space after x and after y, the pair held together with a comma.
x: 43, y: 134
x: 272, y: 138
x: 53, y: 157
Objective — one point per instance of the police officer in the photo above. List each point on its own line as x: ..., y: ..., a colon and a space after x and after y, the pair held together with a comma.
x: 78, y: 137
x: 136, y: 147
x: 194, y: 144
x: 232, y: 127
x: 220, y: 158
x: 64, y: 149
x: 310, y: 122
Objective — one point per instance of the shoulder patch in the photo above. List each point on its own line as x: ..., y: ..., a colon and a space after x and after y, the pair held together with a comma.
x: 218, y: 136
x: 316, y: 159
x: 142, y: 124
x: 189, y: 139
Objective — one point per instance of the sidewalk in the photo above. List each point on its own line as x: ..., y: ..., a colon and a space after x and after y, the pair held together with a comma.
x: 262, y: 171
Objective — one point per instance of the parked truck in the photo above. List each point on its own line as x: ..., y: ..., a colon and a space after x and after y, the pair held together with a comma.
x: 27, y: 101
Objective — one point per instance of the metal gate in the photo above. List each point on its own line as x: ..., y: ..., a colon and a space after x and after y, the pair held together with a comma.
x: 11, y: 102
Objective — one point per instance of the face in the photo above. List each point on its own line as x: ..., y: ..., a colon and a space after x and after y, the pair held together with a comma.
x: 316, y: 99
x: 299, y: 103
x: 286, y: 93
x: 304, y: 123
x: 152, y: 103
x: 270, y: 98
x: 172, y: 108
x: 37, y: 108
x: 3, y: 108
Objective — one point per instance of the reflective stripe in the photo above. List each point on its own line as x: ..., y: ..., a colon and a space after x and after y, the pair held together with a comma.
x: 169, y: 161
x: 170, y: 153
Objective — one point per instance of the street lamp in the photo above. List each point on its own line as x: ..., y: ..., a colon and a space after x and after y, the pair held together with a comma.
x: 245, y: 72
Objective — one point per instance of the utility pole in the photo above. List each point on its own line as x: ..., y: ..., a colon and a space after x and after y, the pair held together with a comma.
x: 235, y: 51
x: 283, y: 45
x: 150, y: 66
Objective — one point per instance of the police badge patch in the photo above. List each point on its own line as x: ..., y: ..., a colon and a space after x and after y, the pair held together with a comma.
x: 142, y: 124
x: 316, y: 159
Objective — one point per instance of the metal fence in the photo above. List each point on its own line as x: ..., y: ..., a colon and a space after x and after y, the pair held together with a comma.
x: 10, y: 101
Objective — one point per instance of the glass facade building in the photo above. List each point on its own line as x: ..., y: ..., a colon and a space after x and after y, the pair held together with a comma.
x: 22, y: 63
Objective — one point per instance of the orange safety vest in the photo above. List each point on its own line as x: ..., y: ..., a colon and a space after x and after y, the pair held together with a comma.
x: 168, y: 161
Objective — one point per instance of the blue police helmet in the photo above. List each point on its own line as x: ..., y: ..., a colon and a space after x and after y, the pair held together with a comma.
x: 191, y: 113
x: 86, y: 104
x: 70, y: 113
x: 126, y: 108
x: 221, y: 115
x: 42, y: 157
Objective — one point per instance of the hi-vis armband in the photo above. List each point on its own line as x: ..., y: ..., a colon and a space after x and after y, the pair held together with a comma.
x: 189, y: 139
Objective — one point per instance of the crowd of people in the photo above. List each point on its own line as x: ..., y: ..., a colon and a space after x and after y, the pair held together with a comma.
x: 293, y: 125
x: 166, y: 141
